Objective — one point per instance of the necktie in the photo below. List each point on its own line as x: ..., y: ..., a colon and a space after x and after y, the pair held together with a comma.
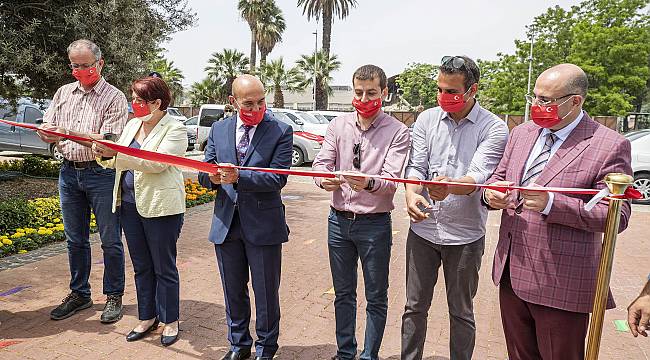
x: 536, y: 168
x: 242, y: 146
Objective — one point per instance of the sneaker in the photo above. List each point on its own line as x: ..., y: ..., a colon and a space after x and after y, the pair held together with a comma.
x: 112, y: 310
x: 70, y: 305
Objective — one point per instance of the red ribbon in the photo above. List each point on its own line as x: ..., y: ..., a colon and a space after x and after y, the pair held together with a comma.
x: 630, y: 192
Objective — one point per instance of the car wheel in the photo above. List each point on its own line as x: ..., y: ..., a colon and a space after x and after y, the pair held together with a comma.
x: 54, y: 152
x: 297, y: 158
x: 642, y: 183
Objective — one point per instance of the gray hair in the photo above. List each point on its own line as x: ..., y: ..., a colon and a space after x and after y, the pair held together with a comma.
x: 87, y: 44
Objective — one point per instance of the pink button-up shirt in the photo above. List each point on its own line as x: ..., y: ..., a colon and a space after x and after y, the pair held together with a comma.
x: 384, y: 147
x: 101, y: 110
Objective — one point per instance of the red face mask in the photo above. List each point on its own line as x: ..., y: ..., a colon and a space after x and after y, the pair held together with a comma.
x: 250, y: 117
x: 452, y: 103
x: 367, y: 109
x: 547, y: 116
x: 140, y: 109
x: 86, y: 77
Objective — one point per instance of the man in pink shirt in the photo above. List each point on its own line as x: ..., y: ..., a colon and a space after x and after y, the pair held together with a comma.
x: 368, y: 142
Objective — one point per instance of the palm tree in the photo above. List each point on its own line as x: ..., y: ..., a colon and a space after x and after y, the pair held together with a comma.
x: 252, y: 11
x: 207, y: 91
x: 277, y: 78
x: 325, y: 66
x: 269, y: 31
x: 225, y: 66
x: 171, y: 74
x: 326, y: 9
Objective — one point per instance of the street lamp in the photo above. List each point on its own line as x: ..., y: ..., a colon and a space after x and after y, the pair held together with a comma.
x: 315, y: 62
x: 530, y: 73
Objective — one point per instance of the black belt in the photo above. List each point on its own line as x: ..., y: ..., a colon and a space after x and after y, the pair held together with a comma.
x: 354, y: 216
x: 80, y: 164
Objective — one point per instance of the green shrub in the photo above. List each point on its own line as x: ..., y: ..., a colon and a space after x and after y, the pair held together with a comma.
x: 15, y: 213
x: 37, y: 166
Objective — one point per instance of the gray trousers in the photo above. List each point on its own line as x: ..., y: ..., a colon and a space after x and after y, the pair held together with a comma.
x: 460, y: 264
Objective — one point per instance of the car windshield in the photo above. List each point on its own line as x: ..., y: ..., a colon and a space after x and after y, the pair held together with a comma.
x: 194, y: 120
x: 636, y: 134
x: 308, y: 118
x: 322, y: 118
x: 174, y: 112
x: 285, y: 119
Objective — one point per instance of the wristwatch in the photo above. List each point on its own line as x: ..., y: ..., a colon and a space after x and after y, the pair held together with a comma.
x: 371, y: 184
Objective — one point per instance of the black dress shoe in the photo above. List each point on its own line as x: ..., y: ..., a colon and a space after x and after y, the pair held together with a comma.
x: 134, y: 335
x: 237, y: 355
x: 168, y: 340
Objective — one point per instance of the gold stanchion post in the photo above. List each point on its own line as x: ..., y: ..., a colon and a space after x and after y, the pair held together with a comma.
x: 617, y: 184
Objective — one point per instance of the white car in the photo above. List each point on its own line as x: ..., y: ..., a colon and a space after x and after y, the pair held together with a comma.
x: 329, y: 115
x: 192, y: 125
x: 305, y: 121
x: 641, y: 162
x: 208, y: 114
x: 176, y: 114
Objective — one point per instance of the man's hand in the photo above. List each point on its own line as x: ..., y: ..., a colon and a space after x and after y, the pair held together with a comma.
x: 331, y: 184
x: 534, y: 200
x: 229, y: 175
x: 638, y: 313
x: 414, y: 203
x: 500, y: 200
x: 101, y: 150
x: 357, y: 183
x: 47, y: 137
x: 438, y: 192
x: 215, y: 178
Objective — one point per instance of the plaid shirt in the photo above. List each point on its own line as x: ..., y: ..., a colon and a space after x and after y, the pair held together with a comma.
x: 101, y: 110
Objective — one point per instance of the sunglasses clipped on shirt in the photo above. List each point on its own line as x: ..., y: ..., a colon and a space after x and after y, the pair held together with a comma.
x: 356, y: 161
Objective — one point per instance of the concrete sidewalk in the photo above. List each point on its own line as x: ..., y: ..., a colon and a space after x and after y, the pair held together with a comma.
x: 307, y: 326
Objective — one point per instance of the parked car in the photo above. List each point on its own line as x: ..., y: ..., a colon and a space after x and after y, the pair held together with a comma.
x: 305, y: 145
x: 176, y: 114
x: 306, y: 122
x: 208, y: 114
x: 25, y: 140
x: 641, y: 162
x: 329, y: 115
x: 192, y: 125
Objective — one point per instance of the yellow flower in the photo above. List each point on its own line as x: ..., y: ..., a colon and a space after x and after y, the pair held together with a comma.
x: 29, y: 231
x: 22, y: 251
x: 7, y: 242
x: 41, y: 231
x: 49, y: 225
x: 48, y: 232
x: 56, y: 220
x: 19, y: 230
x: 18, y: 235
x: 1, y: 244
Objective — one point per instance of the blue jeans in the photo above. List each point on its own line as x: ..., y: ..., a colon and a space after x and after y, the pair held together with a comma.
x: 368, y: 239
x: 80, y: 191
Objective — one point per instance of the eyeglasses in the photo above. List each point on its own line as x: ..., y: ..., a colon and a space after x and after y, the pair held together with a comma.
x: 456, y: 61
x: 356, y: 161
x: 530, y: 99
x: 81, y: 66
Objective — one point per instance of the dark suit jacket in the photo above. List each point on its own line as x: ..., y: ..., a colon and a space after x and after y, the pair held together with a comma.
x: 256, y: 194
x: 554, y: 259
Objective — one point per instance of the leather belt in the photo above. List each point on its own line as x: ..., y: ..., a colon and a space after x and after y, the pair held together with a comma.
x: 80, y: 164
x: 354, y: 216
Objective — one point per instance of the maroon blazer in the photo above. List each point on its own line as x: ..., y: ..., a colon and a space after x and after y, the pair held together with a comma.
x: 554, y: 259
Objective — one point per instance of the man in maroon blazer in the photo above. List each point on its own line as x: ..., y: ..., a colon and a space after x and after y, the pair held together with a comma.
x: 549, y: 246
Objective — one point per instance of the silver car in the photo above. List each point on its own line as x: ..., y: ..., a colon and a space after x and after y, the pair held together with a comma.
x: 13, y: 138
x: 305, y: 145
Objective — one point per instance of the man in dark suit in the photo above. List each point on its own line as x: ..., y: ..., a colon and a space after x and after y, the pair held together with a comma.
x: 546, y: 260
x: 248, y: 225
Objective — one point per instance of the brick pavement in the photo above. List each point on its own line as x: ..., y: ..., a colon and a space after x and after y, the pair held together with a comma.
x: 307, y: 327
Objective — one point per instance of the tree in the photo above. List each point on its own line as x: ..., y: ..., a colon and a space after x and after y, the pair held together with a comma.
x: 277, y: 78
x: 35, y: 35
x: 254, y: 11
x: 172, y: 76
x: 208, y: 91
x: 610, y: 40
x: 225, y: 66
x: 326, y: 9
x: 325, y: 66
x: 269, y: 31
x: 418, y: 82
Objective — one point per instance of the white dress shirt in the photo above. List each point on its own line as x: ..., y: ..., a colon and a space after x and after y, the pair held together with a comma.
x: 239, y: 131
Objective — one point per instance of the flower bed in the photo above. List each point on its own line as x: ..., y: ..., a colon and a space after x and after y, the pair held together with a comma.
x: 29, y: 224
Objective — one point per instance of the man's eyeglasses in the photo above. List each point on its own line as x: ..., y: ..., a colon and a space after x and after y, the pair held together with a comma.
x: 532, y: 100
x: 356, y: 161
x: 457, y: 62
x: 81, y: 66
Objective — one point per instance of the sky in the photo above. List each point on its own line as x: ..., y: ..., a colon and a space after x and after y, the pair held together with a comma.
x: 388, y: 33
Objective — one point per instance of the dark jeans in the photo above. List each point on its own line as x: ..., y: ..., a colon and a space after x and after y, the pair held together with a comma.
x: 80, y: 191
x: 152, y: 247
x: 368, y: 239
x: 460, y: 265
